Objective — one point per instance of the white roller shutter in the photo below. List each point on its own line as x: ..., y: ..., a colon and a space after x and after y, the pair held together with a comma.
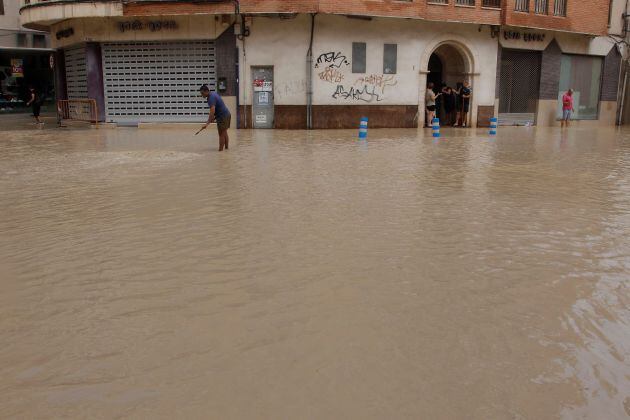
x: 157, y: 81
x: 76, y: 73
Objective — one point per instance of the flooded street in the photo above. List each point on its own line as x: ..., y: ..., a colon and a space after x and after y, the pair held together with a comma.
x: 306, y: 275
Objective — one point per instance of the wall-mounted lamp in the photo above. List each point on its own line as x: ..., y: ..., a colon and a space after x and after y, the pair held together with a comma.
x: 495, y: 31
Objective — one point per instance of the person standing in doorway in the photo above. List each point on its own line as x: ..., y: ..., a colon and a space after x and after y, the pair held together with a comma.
x: 458, y: 103
x: 449, y: 104
x: 219, y: 113
x: 567, y: 108
x: 466, y: 93
x: 36, y: 102
x: 430, y: 103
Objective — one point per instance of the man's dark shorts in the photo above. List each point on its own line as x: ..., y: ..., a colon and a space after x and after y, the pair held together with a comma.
x: 224, y: 122
x: 430, y: 108
x: 36, y: 109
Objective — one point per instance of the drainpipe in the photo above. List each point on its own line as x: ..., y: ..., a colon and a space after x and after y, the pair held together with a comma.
x: 309, y: 77
x: 625, y: 65
x: 623, y: 94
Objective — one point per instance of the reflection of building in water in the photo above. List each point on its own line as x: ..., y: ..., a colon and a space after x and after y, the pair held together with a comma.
x: 24, y: 59
x: 278, y: 65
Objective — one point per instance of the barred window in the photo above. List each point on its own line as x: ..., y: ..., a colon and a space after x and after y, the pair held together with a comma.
x: 560, y: 8
x: 495, y: 4
x: 521, y: 5
x: 465, y: 2
x: 542, y: 7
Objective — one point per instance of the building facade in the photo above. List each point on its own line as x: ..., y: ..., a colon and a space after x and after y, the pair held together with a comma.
x: 324, y: 64
x: 24, y: 59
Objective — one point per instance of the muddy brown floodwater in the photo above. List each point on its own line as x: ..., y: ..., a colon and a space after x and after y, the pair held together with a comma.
x: 305, y: 275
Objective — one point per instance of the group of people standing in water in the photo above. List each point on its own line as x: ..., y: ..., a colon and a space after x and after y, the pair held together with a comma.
x: 450, y: 105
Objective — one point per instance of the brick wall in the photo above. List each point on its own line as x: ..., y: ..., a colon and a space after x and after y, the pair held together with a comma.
x: 610, y: 76
x: 591, y: 18
x: 468, y: 14
x: 550, y: 71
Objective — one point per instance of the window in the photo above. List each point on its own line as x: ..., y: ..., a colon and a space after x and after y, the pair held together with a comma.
x: 521, y: 5
x: 465, y: 2
x: 560, y: 8
x: 39, y: 41
x: 21, y: 40
x: 1, y: 7
x: 495, y: 4
x: 390, y: 57
x: 358, y: 57
x: 437, y: 1
x: 583, y: 74
x: 541, y: 7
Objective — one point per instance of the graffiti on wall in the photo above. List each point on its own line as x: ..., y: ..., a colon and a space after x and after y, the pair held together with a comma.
x: 365, y: 88
x: 364, y: 94
x: 381, y: 81
x: 332, y: 59
x: 331, y: 75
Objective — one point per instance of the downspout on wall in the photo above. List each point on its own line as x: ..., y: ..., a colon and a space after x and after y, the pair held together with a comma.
x: 309, y: 77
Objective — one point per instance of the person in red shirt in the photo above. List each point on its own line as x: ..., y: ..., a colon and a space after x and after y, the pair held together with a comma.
x: 567, y: 108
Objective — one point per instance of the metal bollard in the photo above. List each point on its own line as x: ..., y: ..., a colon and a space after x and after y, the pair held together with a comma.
x: 363, y: 126
x: 494, y: 123
x: 435, y: 125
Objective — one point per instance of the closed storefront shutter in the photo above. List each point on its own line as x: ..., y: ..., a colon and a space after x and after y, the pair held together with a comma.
x: 519, y: 86
x: 157, y: 81
x: 76, y: 73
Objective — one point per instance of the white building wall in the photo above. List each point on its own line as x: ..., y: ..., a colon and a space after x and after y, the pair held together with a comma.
x: 283, y: 44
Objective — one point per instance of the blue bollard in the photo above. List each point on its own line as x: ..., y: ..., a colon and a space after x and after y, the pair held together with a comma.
x: 363, y: 126
x: 494, y: 123
x: 435, y: 125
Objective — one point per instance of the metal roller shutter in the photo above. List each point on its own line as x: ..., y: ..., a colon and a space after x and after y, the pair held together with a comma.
x: 76, y: 73
x: 157, y: 81
x: 519, y: 87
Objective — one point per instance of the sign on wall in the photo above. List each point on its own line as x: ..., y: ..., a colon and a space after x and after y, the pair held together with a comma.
x: 17, y: 67
x: 261, y: 85
x: 525, y: 36
x: 151, y: 25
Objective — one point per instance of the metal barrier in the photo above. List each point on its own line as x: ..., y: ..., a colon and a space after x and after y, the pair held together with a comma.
x: 78, y: 110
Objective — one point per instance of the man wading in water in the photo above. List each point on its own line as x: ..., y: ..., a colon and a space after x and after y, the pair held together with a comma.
x: 218, y: 113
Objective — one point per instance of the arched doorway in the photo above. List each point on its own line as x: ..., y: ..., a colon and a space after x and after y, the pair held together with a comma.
x: 448, y: 66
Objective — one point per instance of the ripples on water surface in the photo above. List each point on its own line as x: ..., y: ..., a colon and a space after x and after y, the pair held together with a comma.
x: 306, y: 275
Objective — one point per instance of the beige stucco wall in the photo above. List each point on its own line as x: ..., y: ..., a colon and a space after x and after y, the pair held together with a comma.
x: 52, y: 12
x: 10, y: 25
x: 616, y: 20
x: 107, y: 29
x: 547, y: 115
x: 283, y: 44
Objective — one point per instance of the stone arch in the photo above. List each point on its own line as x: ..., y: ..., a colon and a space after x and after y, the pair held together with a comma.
x: 467, y: 58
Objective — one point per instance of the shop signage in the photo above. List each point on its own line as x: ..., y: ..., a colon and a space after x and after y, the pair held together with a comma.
x: 151, y: 25
x: 261, y: 85
x: 525, y: 36
x: 17, y: 67
x: 64, y: 33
